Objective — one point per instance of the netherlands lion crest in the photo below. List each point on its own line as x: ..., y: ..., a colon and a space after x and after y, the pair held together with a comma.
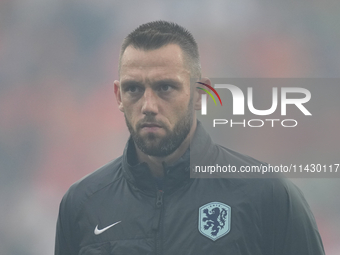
x: 214, y: 220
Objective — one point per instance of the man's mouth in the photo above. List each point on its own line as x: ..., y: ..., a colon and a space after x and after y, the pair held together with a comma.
x: 150, y: 127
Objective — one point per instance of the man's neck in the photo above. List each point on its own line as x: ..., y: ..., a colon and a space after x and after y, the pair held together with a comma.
x: 156, y: 163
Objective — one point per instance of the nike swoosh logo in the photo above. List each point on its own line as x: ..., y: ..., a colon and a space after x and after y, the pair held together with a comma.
x: 99, y: 231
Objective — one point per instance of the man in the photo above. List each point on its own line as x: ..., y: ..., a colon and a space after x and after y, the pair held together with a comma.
x: 145, y: 202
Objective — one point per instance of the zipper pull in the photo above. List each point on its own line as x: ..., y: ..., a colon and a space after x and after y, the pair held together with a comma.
x: 159, y: 203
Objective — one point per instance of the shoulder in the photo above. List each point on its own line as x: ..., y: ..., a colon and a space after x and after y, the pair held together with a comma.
x: 84, y: 188
x: 237, y: 157
x: 226, y: 163
x: 248, y: 171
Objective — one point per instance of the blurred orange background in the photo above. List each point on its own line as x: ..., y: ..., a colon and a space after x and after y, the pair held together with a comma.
x: 58, y: 116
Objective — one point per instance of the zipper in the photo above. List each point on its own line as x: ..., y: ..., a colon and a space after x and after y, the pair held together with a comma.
x: 159, y: 204
x: 157, y: 220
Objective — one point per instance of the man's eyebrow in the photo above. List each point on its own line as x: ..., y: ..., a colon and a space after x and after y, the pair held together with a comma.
x: 167, y: 82
x: 130, y: 83
x: 171, y: 82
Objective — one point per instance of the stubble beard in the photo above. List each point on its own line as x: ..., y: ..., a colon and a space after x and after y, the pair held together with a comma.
x: 170, y: 142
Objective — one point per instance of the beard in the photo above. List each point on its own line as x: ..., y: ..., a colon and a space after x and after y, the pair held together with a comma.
x: 153, y: 145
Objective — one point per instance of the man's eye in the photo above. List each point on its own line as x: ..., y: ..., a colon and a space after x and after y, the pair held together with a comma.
x: 165, y: 87
x: 133, y: 89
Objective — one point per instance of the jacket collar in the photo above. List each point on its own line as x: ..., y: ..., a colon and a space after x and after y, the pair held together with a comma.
x: 176, y: 174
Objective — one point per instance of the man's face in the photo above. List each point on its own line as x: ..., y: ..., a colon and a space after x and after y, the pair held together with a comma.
x: 154, y: 94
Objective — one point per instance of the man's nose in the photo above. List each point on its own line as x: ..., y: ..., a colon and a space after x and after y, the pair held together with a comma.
x: 149, y: 102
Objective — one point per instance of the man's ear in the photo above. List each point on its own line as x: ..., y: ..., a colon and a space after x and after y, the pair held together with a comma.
x: 116, y: 85
x: 199, y: 92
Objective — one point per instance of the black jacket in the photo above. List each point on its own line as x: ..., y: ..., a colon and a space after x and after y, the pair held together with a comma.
x: 119, y: 210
